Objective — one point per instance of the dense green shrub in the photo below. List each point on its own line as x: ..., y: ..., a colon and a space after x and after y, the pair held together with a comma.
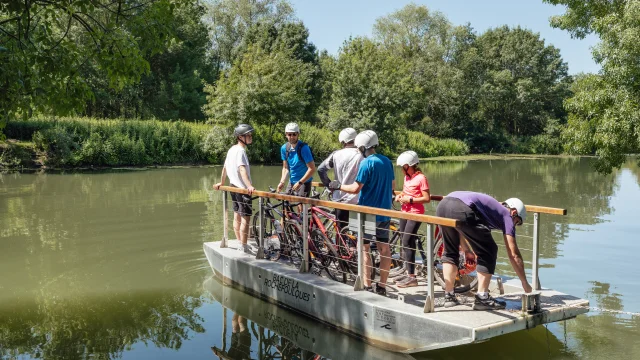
x: 94, y: 142
x: 58, y: 144
x: 426, y: 146
x: 85, y: 141
x: 216, y: 142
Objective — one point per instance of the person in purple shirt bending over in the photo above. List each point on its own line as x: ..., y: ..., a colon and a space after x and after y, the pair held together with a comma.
x: 479, y: 213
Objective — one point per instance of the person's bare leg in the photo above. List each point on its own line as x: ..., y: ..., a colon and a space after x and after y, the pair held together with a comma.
x: 244, y: 229
x: 483, y: 282
x: 236, y: 225
x: 449, y: 272
x: 385, y: 262
x: 366, y: 259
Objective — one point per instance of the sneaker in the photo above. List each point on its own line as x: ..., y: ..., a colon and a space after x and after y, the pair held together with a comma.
x: 381, y: 290
x: 397, y: 279
x: 368, y: 288
x: 450, y: 300
x: 247, y: 249
x: 396, y: 272
x: 488, y: 303
x: 409, y: 281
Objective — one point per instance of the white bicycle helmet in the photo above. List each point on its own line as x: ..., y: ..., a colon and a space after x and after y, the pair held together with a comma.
x: 515, y: 203
x: 408, y: 158
x: 347, y: 135
x: 292, y: 128
x: 366, y: 139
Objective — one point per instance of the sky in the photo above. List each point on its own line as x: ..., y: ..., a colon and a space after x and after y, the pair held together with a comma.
x: 331, y: 22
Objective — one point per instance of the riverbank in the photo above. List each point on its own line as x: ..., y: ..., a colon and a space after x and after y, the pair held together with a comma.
x: 76, y: 142
x: 23, y: 156
x: 95, y: 144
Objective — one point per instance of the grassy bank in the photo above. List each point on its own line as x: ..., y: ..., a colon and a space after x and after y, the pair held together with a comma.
x: 87, y: 142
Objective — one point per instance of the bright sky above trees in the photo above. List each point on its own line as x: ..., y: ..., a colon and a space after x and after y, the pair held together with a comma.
x: 331, y: 22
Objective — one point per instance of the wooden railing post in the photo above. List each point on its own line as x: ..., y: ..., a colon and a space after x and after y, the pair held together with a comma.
x: 225, y: 221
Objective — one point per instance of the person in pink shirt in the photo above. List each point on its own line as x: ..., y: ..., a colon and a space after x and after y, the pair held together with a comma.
x: 415, y: 192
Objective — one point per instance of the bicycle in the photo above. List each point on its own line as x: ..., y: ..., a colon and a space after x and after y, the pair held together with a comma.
x: 321, y: 251
x: 275, y: 241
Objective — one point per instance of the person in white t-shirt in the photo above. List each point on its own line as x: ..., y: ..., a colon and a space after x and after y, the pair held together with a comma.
x: 344, y: 163
x: 236, y: 167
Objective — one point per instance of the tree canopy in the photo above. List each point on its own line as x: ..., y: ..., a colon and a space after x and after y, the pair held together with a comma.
x: 45, y: 45
x: 605, y: 108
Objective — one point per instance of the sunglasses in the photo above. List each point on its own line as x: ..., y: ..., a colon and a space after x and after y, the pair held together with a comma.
x: 292, y: 134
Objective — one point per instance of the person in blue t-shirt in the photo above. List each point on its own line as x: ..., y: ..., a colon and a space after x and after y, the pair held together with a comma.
x: 375, y: 183
x: 297, y: 163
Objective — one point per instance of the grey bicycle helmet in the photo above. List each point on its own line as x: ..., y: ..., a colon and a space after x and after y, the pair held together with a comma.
x: 243, y: 129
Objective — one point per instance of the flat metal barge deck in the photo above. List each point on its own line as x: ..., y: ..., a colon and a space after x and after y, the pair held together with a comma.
x: 396, y: 322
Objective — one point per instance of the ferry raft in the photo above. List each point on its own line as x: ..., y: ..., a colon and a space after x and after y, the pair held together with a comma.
x: 406, y: 320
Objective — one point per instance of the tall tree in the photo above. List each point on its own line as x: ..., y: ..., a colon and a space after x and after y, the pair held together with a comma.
x: 229, y: 21
x: 44, y: 45
x: 173, y: 88
x: 371, y: 88
x: 262, y: 87
x: 605, y: 109
x: 524, y: 81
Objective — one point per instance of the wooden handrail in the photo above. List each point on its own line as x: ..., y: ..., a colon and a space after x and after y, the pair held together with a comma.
x: 349, y: 207
x: 531, y: 208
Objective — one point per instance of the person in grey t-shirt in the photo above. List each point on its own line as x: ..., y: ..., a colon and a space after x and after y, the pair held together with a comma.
x: 344, y: 163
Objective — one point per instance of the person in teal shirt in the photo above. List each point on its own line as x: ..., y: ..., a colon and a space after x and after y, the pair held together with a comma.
x: 375, y: 183
x: 297, y: 163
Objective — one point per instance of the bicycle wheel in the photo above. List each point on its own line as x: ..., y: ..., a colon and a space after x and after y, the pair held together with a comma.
x: 467, y: 277
x: 326, y: 257
x: 347, y: 247
x: 292, y: 244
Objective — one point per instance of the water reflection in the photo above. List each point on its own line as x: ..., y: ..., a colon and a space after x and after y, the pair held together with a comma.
x: 605, y: 334
x: 265, y: 331
x: 97, y: 327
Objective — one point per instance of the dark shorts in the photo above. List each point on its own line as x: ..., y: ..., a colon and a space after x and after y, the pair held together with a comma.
x: 342, y: 217
x: 241, y: 204
x: 473, y: 229
x: 382, y: 233
x: 303, y: 190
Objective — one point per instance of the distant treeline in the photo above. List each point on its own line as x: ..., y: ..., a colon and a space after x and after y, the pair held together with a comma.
x: 228, y: 61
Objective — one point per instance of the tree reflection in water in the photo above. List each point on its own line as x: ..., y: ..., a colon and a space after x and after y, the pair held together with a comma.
x: 102, y: 327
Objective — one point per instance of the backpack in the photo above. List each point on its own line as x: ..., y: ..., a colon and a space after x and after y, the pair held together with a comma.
x: 299, y: 151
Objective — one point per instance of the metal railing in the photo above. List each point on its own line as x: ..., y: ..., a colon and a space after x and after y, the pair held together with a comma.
x: 429, y: 220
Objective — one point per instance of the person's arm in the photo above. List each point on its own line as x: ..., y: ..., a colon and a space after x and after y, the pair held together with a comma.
x: 245, y: 178
x: 305, y: 151
x: 223, y: 177
x: 311, y: 168
x: 285, y: 174
x: 516, y: 260
x: 323, y: 169
x: 425, y: 198
x: 351, y: 188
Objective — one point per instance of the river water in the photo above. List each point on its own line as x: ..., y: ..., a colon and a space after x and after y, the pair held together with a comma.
x: 110, y: 265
